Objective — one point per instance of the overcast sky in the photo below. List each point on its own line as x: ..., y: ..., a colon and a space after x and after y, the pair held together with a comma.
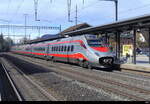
x: 93, y: 12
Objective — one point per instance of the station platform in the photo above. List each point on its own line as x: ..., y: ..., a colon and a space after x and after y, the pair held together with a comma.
x: 142, y: 64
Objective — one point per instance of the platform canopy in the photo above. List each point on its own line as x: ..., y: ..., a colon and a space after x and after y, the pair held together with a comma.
x: 125, y: 25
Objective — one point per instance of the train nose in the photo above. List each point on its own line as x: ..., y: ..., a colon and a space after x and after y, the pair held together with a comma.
x: 106, y: 61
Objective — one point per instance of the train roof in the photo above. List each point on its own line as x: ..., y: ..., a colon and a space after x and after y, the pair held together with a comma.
x: 52, y: 37
x: 48, y: 37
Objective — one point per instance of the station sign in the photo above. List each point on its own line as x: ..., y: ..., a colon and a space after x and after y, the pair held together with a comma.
x: 127, y: 49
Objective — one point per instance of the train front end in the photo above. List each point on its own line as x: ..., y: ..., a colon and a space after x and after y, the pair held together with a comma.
x: 99, y: 52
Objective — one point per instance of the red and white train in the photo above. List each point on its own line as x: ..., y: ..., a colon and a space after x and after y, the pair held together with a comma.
x: 85, y: 50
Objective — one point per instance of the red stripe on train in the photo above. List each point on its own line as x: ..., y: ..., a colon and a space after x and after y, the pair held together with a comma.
x: 45, y: 44
x: 73, y: 56
x: 101, y: 49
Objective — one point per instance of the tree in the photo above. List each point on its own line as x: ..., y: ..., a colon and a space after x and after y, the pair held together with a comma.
x: 8, y: 43
x: 5, y: 44
x: 1, y: 42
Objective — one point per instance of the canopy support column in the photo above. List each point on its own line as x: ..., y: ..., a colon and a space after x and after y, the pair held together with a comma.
x: 117, y: 45
x: 149, y: 45
x: 134, y: 46
x: 116, y: 39
x: 118, y: 33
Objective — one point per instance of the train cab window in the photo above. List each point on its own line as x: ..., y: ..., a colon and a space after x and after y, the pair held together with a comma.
x: 94, y: 42
x: 68, y: 48
x: 72, y: 48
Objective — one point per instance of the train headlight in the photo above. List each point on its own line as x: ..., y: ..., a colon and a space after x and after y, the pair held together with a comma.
x: 97, y: 54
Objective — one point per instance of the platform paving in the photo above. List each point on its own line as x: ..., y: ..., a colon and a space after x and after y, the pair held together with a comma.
x: 142, y: 64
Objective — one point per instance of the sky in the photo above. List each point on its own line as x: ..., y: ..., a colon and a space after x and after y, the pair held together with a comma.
x: 54, y: 13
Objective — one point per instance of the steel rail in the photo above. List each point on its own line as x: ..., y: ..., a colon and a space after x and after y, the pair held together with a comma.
x: 95, y: 84
x: 44, y: 92
x: 103, y: 79
x: 91, y: 81
x: 19, y: 97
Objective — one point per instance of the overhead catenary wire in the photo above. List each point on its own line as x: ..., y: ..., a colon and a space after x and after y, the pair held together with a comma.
x: 79, y: 9
x: 76, y: 17
x: 18, y: 8
x: 51, y: 1
x: 36, y: 9
x: 9, y: 2
x: 140, y: 7
x: 83, y: 2
x: 69, y: 10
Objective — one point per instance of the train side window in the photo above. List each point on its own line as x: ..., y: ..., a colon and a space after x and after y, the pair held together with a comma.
x: 55, y: 48
x: 72, y: 48
x: 68, y: 48
x: 59, y: 48
x: 65, y: 48
x: 52, y: 48
x: 62, y: 48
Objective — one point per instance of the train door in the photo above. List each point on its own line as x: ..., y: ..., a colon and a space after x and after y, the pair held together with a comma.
x: 47, y: 52
x: 69, y: 51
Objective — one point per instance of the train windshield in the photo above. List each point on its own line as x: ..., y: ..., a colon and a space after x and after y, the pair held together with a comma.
x: 95, y: 43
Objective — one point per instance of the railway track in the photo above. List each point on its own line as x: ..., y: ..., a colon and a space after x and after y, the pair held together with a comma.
x: 10, y: 91
x: 98, y: 81
x: 31, y: 84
